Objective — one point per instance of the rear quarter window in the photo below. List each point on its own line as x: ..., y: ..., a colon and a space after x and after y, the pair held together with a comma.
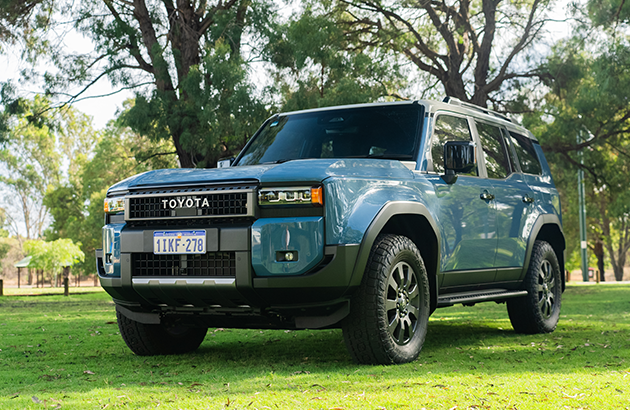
x: 525, y: 153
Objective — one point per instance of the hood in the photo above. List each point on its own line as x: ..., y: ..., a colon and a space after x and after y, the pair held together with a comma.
x: 305, y: 170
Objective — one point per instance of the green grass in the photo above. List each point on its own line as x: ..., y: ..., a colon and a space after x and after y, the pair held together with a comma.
x: 65, y: 352
x: 48, y: 291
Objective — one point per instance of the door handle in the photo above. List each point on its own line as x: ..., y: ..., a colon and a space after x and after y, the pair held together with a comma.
x: 528, y: 199
x: 486, y: 196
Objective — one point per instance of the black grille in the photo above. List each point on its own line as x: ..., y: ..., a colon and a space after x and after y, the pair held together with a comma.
x: 208, y: 264
x: 210, y: 204
x: 191, y: 223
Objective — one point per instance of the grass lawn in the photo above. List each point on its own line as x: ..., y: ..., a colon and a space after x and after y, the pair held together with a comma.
x: 48, y: 291
x: 65, y: 352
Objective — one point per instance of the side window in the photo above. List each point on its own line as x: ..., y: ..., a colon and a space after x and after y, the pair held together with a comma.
x: 494, y: 150
x: 448, y: 128
x: 526, y: 154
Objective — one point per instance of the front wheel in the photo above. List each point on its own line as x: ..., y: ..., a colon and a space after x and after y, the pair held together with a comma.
x: 150, y: 340
x: 539, y: 311
x: 390, y: 310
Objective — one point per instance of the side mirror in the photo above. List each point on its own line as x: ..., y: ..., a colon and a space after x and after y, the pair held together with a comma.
x: 459, y: 157
x: 224, y: 163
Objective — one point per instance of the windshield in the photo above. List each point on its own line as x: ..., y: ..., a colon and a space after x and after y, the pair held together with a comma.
x: 370, y: 132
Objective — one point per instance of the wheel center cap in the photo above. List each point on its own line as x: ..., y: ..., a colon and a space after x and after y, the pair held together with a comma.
x: 402, y: 303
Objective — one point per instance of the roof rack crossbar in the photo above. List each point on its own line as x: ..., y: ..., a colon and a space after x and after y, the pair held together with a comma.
x: 457, y: 101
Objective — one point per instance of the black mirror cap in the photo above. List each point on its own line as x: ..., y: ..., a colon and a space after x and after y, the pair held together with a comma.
x: 459, y: 157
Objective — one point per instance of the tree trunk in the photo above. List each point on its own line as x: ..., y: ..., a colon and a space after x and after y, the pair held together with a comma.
x: 599, y: 254
x: 619, y: 270
x: 600, y: 267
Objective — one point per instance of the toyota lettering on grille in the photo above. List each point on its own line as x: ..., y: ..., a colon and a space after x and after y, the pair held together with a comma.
x: 185, y: 203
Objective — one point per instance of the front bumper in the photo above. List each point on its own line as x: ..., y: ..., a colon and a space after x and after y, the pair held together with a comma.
x: 320, y: 291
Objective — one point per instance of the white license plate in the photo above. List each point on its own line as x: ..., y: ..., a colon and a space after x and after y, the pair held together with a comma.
x: 179, y: 242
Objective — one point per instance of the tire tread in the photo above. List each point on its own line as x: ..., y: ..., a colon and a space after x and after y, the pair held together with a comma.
x: 366, y: 340
x: 523, y: 312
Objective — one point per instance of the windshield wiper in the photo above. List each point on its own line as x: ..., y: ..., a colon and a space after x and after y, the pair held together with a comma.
x: 278, y: 161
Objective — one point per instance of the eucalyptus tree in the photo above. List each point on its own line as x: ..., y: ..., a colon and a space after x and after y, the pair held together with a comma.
x: 315, y: 64
x: 37, y: 142
x: 584, y: 123
x: 187, y: 62
x: 76, y: 205
x: 473, y: 48
x: 19, y: 19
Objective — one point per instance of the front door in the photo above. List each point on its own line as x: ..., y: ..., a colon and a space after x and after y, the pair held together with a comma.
x: 467, y: 214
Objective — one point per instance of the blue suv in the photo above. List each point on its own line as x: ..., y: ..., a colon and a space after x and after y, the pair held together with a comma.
x: 365, y: 217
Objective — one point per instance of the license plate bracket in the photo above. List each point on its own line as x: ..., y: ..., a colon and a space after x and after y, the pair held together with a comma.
x: 179, y: 242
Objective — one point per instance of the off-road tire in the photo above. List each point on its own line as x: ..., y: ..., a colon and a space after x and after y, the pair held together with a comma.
x: 539, y: 311
x: 151, y: 340
x: 390, y: 310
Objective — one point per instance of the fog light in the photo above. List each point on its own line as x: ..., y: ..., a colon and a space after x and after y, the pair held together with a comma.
x: 286, y: 256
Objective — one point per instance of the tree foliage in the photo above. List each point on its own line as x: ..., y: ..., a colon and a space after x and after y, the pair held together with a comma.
x: 587, y: 102
x: 316, y: 64
x: 39, y: 140
x: 76, y: 207
x: 454, y: 41
x: 53, y: 257
x: 185, y: 61
x: 20, y: 20
x: 608, y: 13
x: 5, y: 243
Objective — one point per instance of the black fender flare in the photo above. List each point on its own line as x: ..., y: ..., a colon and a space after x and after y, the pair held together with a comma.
x: 387, y: 212
x: 542, y: 221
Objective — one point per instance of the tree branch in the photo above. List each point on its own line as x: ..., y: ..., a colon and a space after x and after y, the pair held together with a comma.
x: 525, y: 39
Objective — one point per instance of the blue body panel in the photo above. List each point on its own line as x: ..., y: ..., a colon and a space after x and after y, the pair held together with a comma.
x: 353, y: 203
x: 515, y: 220
x: 468, y: 227
x: 294, y: 172
x: 271, y: 235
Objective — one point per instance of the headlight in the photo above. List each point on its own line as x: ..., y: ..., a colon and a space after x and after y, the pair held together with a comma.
x: 114, y: 205
x: 291, y: 196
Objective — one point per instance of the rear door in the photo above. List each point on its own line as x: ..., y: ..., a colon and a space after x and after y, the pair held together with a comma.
x: 513, y: 200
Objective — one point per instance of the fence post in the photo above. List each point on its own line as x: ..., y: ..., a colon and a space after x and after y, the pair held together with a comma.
x: 66, y: 291
x: 1, y: 284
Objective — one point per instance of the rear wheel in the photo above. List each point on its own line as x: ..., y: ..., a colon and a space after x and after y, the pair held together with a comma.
x: 539, y: 311
x: 150, y: 340
x: 390, y: 310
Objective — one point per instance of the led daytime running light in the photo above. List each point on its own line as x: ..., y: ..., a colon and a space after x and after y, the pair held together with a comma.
x: 291, y: 196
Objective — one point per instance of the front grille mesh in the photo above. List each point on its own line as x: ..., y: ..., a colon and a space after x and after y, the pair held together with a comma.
x: 211, y: 204
x: 208, y: 264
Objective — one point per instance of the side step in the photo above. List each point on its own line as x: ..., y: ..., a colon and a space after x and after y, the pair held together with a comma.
x: 470, y: 298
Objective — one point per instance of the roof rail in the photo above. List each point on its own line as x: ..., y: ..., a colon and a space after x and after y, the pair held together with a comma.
x: 458, y: 102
